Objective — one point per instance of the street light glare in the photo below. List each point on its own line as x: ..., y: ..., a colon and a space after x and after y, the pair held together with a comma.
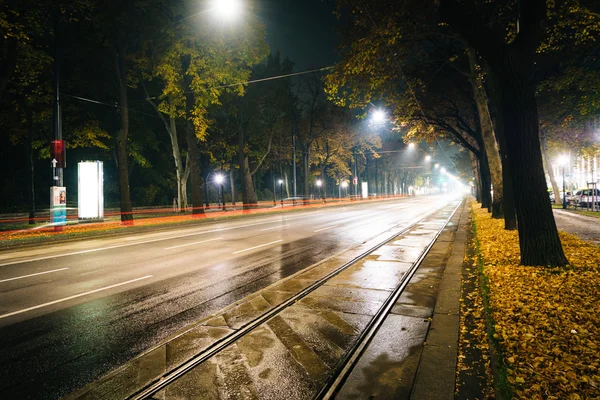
x: 219, y: 179
x: 437, y: 165
x: 427, y: 158
x: 443, y: 170
x: 563, y: 160
x: 344, y: 184
x: 411, y: 145
x: 319, y: 182
x: 281, y: 181
x: 379, y: 116
x: 226, y: 9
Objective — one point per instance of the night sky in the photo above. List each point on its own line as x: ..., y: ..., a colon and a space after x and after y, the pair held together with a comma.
x: 303, y: 30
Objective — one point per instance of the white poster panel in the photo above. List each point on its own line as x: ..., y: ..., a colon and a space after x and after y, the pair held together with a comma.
x: 58, y: 205
x: 365, y: 190
x: 90, y: 190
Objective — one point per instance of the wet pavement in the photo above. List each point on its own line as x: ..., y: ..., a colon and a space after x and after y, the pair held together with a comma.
x: 296, y: 352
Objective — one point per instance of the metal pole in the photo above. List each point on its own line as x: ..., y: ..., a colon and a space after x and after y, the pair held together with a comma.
x: 355, y: 177
x: 294, y: 161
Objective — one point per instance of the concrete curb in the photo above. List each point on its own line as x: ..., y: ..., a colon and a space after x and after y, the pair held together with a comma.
x: 580, y: 217
x: 436, y: 374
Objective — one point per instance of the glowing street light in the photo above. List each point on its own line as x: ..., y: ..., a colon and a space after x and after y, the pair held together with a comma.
x: 319, y: 182
x: 411, y: 145
x: 226, y: 9
x: 344, y: 184
x: 437, y: 165
x: 378, y: 116
x: 443, y: 170
x: 428, y: 158
x: 219, y: 179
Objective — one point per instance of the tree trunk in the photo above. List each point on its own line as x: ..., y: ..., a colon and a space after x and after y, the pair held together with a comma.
x: 31, y: 166
x: 477, y: 174
x: 549, y: 169
x: 232, y: 184
x: 510, y: 214
x: 306, y: 170
x: 180, y: 173
x: 538, y: 235
x: 192, y: 142
x: 287, y: 185
x: 249, y: 199
x: 487, y: 133
x: 122, y: 154
x: 486, y: 196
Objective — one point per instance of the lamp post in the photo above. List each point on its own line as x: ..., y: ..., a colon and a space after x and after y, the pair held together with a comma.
x: 281, y: 190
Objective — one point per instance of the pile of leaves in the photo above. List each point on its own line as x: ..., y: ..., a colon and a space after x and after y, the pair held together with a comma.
x: 546, y: 320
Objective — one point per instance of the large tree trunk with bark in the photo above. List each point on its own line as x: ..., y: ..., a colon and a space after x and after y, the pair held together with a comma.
x: 510, y: 214
x: 306, y: 171
x: 538, y: 235
x: 122, y: 153
x: 476, y: 173
x: 549, y: 169
x: 192, y: 142
x: 249, y: 199
x: 232, y: 184
x: 487, y: 133
x: 484, y: 170
x: 31, y: 167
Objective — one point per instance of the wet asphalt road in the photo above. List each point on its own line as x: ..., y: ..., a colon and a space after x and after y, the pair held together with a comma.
x: 70, y: 313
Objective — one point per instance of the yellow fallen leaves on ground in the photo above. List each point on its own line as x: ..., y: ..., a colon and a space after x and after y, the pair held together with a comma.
x: 547, y: 320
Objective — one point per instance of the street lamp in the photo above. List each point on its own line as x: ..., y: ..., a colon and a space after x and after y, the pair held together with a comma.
x: 319, y: 184
x: 219, y: 179
x: 563, y: 161
x: 427, y: 158
x: 437, y: 166
x: 411, y: 146
x: 443, y: 170
x: 226, y: 9
x: 345, y: 186
x: 378, y: 116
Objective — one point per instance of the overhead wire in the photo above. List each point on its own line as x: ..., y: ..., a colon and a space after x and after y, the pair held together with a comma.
x: 114, y: 105
x: 393, y: 56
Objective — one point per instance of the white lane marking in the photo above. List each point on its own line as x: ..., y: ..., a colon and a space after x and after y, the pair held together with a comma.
x: 256, y: 247
x: 73, y: 297
x: 191, y: 244
x: 27, y: 276
x: 274, y: 227
x: 323, y: 229
x: 141, y: 242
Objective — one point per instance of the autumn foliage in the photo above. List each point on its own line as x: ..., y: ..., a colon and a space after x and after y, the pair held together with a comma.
x: 546, y: 320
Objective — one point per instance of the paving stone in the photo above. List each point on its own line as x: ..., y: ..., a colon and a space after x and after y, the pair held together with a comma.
x: 349, y: 300
x: 367, y: 274
x: 387, y: 368
x: 397, y: 253
x: 235, y: 382
x: 302, y: 352
x: 443, y: 331
x: 200, y: 383
x: 152, y: 365
x: 275, y: 373
x: 186, y: 346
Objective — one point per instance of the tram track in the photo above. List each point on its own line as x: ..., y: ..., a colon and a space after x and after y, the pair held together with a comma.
x: 344, y: 367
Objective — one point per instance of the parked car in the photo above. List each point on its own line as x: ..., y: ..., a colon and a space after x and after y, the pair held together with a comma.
x: 584, y: 197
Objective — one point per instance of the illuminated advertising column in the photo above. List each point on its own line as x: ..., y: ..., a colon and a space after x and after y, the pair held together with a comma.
x: 58, y: 205
x: 90, y: 194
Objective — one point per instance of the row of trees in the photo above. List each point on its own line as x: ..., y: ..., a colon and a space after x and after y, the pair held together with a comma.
x: 156, y: 91
x: 474, y: 72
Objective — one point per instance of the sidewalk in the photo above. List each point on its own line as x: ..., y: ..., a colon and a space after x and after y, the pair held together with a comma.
x: 586, y: 228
